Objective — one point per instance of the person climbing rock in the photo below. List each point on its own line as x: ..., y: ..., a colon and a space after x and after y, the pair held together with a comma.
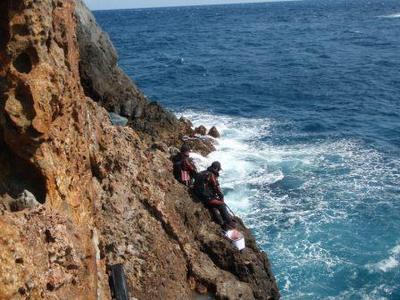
x: 207, y: 188
x: 184, y: 167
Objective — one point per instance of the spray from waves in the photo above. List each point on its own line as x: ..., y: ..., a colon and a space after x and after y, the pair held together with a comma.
x: 318, y: 208
x: 243, y: 167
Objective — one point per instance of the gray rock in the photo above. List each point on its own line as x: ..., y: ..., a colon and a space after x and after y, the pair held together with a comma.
x: 118, y: 120
x: 25, y: 200
x: 105, y: 82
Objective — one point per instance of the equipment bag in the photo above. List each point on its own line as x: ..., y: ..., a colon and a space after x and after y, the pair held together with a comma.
x: 117, y: 282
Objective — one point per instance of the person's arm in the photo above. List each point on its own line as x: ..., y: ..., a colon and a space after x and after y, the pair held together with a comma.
x: 215, y: 184
x: 216, y: 202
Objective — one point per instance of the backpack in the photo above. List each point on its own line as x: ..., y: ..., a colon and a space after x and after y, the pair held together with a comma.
x: 201, y: 187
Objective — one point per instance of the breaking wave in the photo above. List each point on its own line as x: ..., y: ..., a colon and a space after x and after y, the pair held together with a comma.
x: 396, y: 15
x: 318, y: 208
x: 387, y: 264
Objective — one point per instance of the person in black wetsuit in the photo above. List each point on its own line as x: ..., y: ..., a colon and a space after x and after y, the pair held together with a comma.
x: 207, y: 188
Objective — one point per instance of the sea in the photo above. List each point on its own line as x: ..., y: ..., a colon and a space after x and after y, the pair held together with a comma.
x: 306, y: 95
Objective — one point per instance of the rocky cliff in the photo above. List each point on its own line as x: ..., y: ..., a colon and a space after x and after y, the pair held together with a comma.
x: 77, y: 193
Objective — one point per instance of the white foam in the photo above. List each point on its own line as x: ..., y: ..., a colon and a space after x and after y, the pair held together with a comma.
x: 242, y: 163
x: 287, y: 220
x: 395, y: 15
x: 387, y: 264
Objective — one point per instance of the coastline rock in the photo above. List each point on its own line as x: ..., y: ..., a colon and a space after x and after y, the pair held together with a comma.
x: 202, y: 145
x: 100, y: 75
x: 186, y: 121
x: 104, y: 82
x: 105, y: 196
x: 214, y: 132
x: 200, y: 130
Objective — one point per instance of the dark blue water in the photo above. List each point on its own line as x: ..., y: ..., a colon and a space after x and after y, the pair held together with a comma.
x: 306, y: 95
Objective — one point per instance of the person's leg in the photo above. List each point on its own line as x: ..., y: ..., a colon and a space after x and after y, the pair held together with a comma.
x: 223, y: 210
x: 216, y: 215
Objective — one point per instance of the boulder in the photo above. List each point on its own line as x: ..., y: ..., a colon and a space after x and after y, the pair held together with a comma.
x: 200, y: 130
x: 214, y: 132
x: 25, y: 200
x: 186, y: 121
x: 204, y: 146
x: 118, y: 120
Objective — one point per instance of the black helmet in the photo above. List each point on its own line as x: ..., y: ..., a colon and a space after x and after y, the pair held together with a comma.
x: 216, y: 165
x: 185, y: 148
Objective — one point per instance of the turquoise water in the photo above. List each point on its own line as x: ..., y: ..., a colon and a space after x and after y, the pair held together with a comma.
x: 306, y: 95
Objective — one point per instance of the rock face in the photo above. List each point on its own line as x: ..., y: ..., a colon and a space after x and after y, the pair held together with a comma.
x: 104, y: 194
x: 46, y: 137
x: 107, y: 84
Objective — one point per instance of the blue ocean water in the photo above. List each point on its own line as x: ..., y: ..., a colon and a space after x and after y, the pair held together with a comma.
x: 306, y: 95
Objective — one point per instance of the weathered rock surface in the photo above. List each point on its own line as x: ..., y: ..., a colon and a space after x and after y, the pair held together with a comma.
x: 45, y: 133
x: 106, y: 196
x: 105, y: 82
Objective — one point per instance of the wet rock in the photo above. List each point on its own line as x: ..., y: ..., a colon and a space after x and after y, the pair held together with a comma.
x: 214, y: 132
x: 200, y: 130
x: 202, y: 145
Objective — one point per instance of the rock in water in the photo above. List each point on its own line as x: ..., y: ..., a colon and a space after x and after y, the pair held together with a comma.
x: 201, y: 130
x: 214, y: 132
